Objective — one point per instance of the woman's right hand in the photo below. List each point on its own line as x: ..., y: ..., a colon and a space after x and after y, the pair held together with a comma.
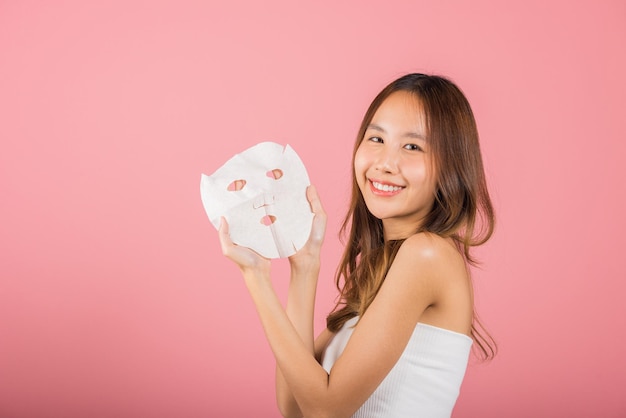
x: 309, y: 255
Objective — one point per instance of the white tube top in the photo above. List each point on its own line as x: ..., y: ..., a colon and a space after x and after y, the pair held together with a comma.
x: 425, y: 381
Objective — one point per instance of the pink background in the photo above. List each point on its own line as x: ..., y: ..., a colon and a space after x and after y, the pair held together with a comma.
x: 114, y: 297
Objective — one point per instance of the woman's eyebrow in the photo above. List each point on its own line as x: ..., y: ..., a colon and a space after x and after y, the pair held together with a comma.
x: 414, y: 135
x: 376, y: 128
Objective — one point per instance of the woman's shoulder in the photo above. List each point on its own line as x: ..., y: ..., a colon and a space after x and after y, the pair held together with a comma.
x: 433, y: 248
x: 436, y: 263
x: 434, y: 258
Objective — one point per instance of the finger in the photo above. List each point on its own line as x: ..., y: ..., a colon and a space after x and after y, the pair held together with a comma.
x: 314, y: 200
x: 224, y: 235
x: 223, y: 228
x: 318, y: 228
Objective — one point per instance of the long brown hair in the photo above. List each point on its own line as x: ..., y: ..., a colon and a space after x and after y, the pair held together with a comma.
x: 462, y: 209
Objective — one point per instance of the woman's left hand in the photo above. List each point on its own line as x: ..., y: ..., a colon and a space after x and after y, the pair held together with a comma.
x: 248, y: 260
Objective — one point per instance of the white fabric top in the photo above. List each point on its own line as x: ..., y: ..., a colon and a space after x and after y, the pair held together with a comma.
x: 425, y: 381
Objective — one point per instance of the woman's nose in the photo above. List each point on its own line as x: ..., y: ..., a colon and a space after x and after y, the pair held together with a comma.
x: 387, y: 161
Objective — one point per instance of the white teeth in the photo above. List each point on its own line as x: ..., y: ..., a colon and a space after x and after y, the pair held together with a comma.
x: 385, y: 187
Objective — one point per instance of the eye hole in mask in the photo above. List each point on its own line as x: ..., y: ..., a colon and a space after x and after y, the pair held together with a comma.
x: 275, y: 173
x: 236, y: 185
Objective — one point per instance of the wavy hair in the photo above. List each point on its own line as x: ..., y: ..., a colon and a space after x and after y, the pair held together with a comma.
x: 462, y: 208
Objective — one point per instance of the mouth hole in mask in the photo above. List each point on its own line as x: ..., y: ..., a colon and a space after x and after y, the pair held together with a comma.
x: 275, y: 173
x: 236, y: 185
x: 267, y: 220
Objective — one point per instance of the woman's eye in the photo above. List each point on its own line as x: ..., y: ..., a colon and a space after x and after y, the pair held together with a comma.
x: 376, y: 139
x: 413, y: 147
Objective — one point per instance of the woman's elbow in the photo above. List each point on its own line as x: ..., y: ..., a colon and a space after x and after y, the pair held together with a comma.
x: 289, y: 409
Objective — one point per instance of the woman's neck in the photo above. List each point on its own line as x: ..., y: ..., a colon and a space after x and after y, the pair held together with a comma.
x: 395, y: 229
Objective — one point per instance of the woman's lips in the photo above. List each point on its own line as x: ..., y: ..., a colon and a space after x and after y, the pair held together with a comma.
x: 380, y: 188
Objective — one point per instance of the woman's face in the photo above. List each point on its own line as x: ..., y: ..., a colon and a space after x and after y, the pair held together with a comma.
x: 393, y: 166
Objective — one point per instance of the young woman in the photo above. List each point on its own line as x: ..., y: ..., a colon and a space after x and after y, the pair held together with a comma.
x: 398, y: 342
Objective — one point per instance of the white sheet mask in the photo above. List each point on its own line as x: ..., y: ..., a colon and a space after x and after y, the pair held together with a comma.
x: 262, y: 194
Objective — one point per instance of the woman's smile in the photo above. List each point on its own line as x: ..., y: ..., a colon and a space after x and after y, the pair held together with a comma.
x: 381, y: 188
